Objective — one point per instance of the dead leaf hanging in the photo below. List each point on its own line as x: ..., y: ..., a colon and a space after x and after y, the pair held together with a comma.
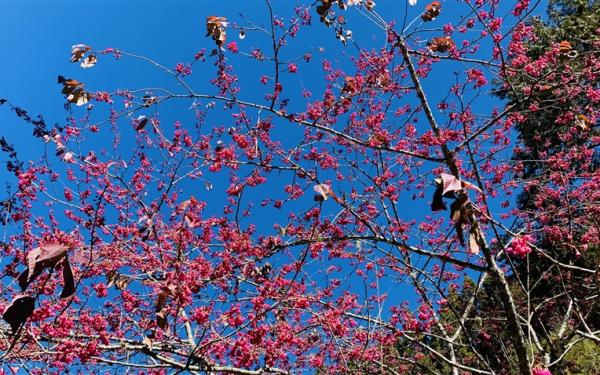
x: 149, y: 100
x: 582, y: 122
x: 74, y: 90
x: 458, y: 214
x: 78, y: 51
x: 446, y: 186
x: 450, y: 183
x: 89, y: 61
x: 349, y: 85
x: 322, y: 192
x: 19, y: 311
x: 68, y: 279
x: 473, y: 241
x: 215, y: 28
x: 140, y: 122
x: 565, y: 48
x: 438, y: 202
x: 162, y: 311
x: 441, y: 44
x: 323, y: 11
x: 40, y: 258
x: 432, y: 10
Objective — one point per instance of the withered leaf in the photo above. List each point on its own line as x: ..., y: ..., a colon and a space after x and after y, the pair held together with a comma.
x: 77, y: 52
x: 68, y: 279
x: 161, y: 319
x: 149, y: 100
x: 582, y: 122
x: 111, y: 277
x: 79, y: 97
x: 215, y: 27
x: 322, y: 192
x: 122, y: 282
x: 450, y: 183
x: 441, y: 44
x: 140, y: 122
x: 459, y: 233
x: 19, y: 311
x: 74, y: 91
x: 564, y: 46
x: 473, y: 241
x: 432, y: 10
x: 457, y: 207
x: 458, y: 214
x: 40, y: 258
x: 438, y: 202
x: 161, y: 309
x: 161, y: 301
x: 89, y: 61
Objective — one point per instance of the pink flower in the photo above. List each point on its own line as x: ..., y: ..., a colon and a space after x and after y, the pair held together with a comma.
x: 541, y: 371
x: 233, y: 47
x: 519, y: 246
x: 183, y: 70
x: 292, y: 68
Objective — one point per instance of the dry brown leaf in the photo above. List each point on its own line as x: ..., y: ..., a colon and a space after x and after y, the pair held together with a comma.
x: 45, y: 256
x: 473, y: 242
x: 323, y: 192
x: 432, y: 10
x: 441, y: 44
x: 19, y: 310
x: 215, y: 28
x: 89, y: 61
x: 78, y: 51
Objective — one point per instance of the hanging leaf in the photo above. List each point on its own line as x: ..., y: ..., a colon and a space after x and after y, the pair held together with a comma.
x: 447, y: 185
x: 68, y: 157
x: 40, y: 258
x: 140, y: 122
x: 450, y: 183
x: 74, y: 91
x: 441, y: 44
x: 162, y: 312
x: 456, y: 208
x: 432, y: 10
x: 322, y: 192
x: 582, y: 122
x: 68, y: 279
x: 215, y: 28
x: 349, y: 85
x: 458, y: 214
x: 69, y: 85
x: 564, y: 47
x: 149, y: 100
x: 438, y: 202
x: 89, y: 61
x: 19, y: 311
x: 473, y: 241
x: 122, y: 282
x: 78, y: 51
x: 79, y: 97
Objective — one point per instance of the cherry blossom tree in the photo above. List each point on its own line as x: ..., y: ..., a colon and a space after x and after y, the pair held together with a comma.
x: 426, y: 205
